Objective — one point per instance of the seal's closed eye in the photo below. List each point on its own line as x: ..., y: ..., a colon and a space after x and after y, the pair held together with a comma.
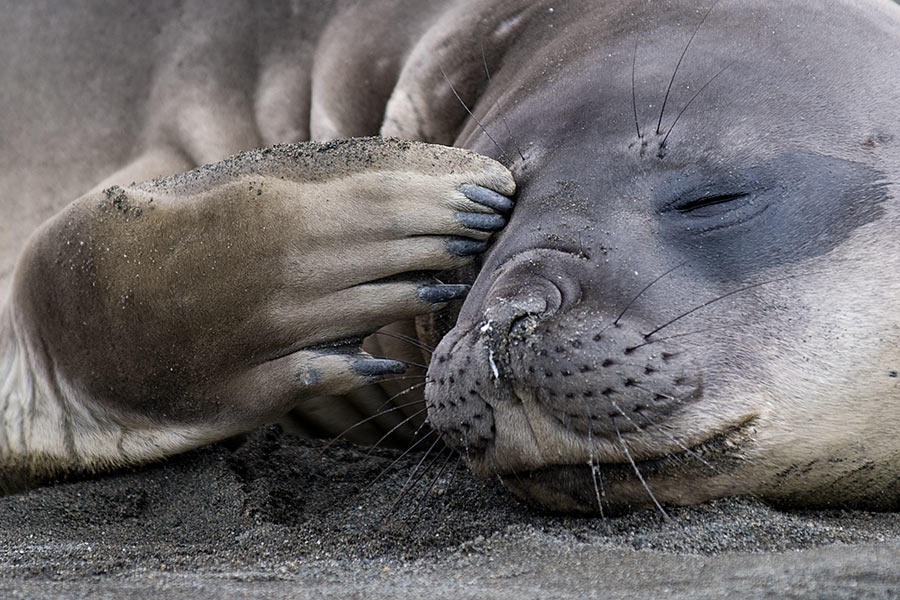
x: 707, y: 201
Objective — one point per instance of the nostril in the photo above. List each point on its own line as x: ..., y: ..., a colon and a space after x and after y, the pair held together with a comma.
x: 549, y: 276
x: 511, y: 311
x: 519, y: 324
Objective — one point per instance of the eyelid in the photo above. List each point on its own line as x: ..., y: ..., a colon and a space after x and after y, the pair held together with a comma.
x: 708, y: 201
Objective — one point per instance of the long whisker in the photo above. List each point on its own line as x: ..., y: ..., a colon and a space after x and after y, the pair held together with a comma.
x: 502, y: 117
x: 434, y: 481
x: 402, y: 456
x: 598, y: 485
x: 631, y: 349
x: 638, y: 472
x: 471, y: 114
x: 422, y: 425
x: 681, y: 445
x: 422, y: 378
x: 694, y: 97
x: 399, y: 336
x: 677, y: 443
x: 395, y: 428
x: 649, y: 391
x: 646, y: 287
x: 714, y: 300
x: 459, y: 459
x: 675, y: 72
x: 378, y: 413
x: 410, y: 481
x: 633, y: 92
x: 665, y: 433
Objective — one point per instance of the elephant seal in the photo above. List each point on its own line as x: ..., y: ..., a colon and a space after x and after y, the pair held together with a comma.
x: 681, y: 306
x: 685, y: 303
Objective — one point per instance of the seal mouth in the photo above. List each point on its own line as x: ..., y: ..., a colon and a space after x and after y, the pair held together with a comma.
x: 622, y: 486
x: 725, y: 444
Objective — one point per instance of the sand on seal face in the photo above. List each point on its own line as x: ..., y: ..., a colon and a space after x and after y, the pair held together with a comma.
x: 283, y: 517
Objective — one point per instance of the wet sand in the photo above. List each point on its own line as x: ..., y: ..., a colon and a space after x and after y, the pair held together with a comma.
x: 283, y: 517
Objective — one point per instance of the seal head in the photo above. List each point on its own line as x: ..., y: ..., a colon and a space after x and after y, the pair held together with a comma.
x: 696, y: 295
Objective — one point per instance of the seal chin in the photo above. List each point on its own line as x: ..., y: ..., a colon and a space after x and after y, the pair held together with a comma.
x: 693, y: 474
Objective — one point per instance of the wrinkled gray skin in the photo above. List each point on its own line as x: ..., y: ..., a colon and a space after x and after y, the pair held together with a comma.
x: 696, y: 293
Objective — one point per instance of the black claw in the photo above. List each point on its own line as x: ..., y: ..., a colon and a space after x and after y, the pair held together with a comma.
x: 373, y: 367
x: 486, y: 197
x: 485, y: 221
x: 464, y: 247
x: 443, y: 292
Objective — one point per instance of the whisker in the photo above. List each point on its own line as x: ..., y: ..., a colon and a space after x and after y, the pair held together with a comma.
x: 594, y: 474
x: 631, y: 349
x: 679, y: 444
x: 395, y: 428
x: 646, y: 287
x: 402, y: 456
x: 662, y: 144
x: 681, y: 58
x: 686, y: 449
x: 399, y: 336
x: 502, y: 117
x: 666, y: 434
x: 423, y: 424
x: 471, y: 114
x: 638, y: 472
x: 649, y: 391
x: 423, y: 378
x: 410, y: 481
x: 434, y: 481
x: 459, y: 459
x: 633, y: 93
x: 714, y: 300
x: 379, y: 413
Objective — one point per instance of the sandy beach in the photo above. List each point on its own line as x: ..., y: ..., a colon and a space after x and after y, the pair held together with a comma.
x: 284, y: 517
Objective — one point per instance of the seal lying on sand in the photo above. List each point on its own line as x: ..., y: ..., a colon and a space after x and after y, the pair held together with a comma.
x: 683, y: 305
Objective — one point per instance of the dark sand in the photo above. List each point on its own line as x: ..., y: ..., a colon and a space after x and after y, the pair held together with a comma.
x: 280, y: 517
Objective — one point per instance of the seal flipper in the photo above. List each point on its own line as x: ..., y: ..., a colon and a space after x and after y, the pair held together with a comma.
x: 487, y: 197
x: 189, y: 309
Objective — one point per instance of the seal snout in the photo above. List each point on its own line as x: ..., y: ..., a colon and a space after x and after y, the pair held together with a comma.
x: 470, y: 373
x: 537, y: 374
x: 512, y: 320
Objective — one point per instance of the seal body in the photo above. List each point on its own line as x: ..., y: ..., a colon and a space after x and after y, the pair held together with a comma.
x: 694, y: 296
